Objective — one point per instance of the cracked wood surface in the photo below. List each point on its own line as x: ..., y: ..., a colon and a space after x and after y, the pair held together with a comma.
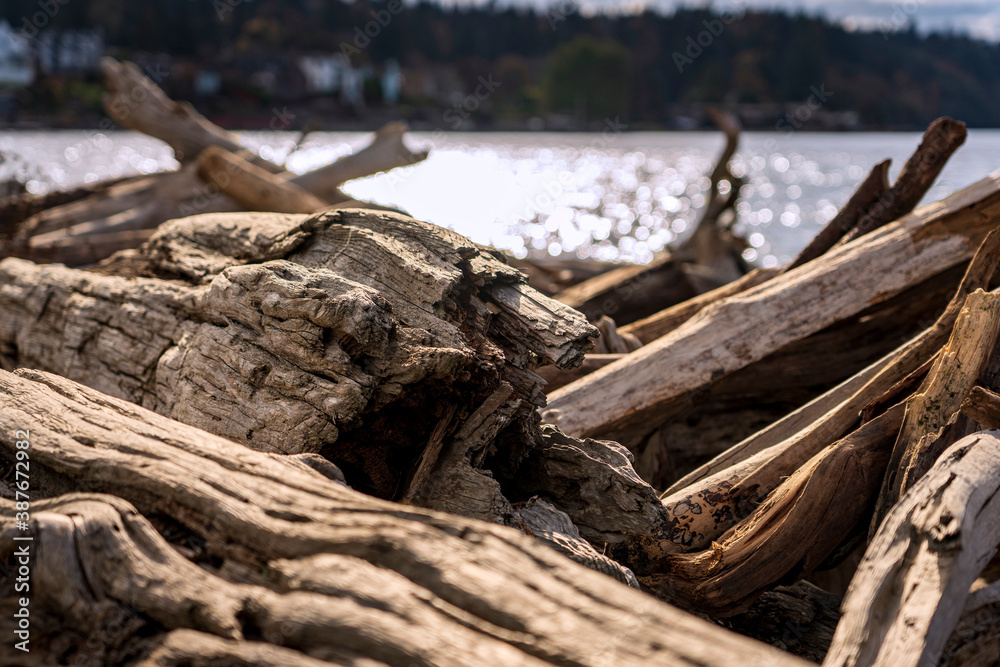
x: 243, y: 554
x: 910, y: 589
x: 348, y: 334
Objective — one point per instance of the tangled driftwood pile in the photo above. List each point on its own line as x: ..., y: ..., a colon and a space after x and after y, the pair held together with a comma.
x: 321, y: 435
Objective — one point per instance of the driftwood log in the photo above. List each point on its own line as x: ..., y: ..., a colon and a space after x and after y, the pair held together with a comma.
x: 358, y: 335
x: 702, y: 422
x: 626, y: 396
x: 912, y: 585
x: 156, y: 543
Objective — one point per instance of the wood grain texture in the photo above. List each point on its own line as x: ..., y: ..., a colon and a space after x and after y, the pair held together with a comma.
x: 954, y: 373
x: 746, y: 327
x: 910, y: 589
x: 267, y: 558
x: 348, y: 334
x: 799, y: 524
x: 831, y: 414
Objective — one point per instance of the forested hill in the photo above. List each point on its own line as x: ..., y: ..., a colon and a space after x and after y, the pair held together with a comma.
x: 643, y: 67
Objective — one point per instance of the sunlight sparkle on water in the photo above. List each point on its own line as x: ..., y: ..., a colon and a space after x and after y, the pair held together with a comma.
x: 545, y: 194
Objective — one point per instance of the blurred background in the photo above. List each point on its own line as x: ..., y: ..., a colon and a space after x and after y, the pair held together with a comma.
x: 555, y: 129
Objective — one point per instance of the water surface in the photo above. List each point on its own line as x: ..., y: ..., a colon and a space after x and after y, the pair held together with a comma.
x: 613, y: 197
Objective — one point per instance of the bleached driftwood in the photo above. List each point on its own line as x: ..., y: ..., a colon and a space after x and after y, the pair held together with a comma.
x: 828, y: 416
x: 949, y: 381
x: 354, y: 334
x: 911, y: 587
x: 745, y: 328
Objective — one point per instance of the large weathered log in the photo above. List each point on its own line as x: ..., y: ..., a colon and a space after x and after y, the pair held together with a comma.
x: 747, y: 327
x: 912, y: 584
x: 350, y: 334
x: 830, y: 415
x: 213, y: 550
x: 392, y: 347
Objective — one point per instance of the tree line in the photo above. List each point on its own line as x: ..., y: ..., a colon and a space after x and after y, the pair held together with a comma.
x: 639, y: 66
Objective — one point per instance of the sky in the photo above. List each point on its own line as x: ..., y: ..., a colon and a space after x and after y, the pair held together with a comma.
x: 978, y: 18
